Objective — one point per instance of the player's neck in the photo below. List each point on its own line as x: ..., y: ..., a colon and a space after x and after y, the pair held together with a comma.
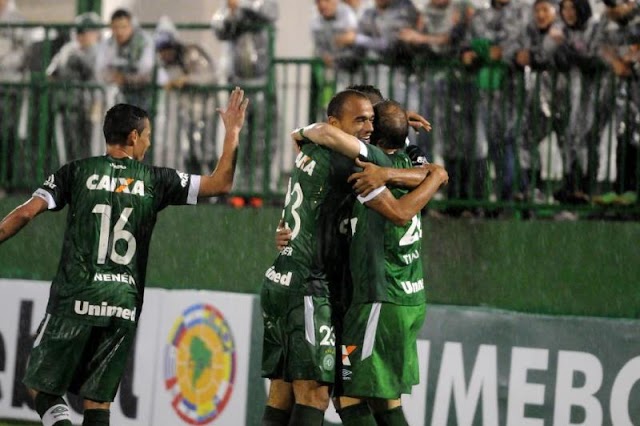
x: 117, y: 152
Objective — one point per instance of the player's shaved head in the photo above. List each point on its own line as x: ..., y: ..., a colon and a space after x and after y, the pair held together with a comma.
x: 390, y: 125
x: 337, y: 103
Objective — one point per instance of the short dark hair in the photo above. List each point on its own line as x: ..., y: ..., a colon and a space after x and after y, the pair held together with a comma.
x: 121, y: 120
x: 334, y: 109
x: 120, y: 13
x: 373, y: 93
x: 390, y: 125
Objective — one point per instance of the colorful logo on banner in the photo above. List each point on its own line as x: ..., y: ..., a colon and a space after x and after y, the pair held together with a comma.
x: 200, y: 364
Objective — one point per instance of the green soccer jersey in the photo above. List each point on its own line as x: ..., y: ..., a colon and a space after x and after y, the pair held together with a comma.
x: 316, y: 188
x: 386, y: 263
x: 113, y: 204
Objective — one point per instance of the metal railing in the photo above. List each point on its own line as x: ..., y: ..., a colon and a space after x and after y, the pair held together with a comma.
x: 515, y: 141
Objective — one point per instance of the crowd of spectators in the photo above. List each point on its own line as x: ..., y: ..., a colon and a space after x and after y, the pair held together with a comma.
x: 496, y: 80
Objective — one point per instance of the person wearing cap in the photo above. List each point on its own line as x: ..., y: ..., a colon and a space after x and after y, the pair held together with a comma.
x: 126, y: 61
x: 77, y: 108
x: 187, y: 106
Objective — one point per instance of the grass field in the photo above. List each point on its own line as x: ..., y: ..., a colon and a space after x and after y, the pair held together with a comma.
x: 16, y: 423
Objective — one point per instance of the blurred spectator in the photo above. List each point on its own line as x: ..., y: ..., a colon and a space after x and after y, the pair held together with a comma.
x: 189, y: 110
x: 244, y: 25
x: 358, y: 6
x: 444, y: 25
x: 620, y: 47
x: 13, y: 45
x: 126, y: 60
x: 535, y: 55
x: 578, y: 55
x: 78, y: 110
x: 492, y: 33
x: 378, y: 32
x: 332, y: 19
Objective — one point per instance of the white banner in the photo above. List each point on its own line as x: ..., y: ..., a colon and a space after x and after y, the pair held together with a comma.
x: 203, y: 349
x: 190, y: 363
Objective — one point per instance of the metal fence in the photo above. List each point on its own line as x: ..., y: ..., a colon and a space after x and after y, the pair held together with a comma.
x: 511, y: 141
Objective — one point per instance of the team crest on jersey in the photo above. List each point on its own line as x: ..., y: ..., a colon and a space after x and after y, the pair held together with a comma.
x: 200, y: 364
x: 346, y: 351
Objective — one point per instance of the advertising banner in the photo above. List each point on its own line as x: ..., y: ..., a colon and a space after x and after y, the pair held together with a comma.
x: 196, y: 361
x: 490, y: 368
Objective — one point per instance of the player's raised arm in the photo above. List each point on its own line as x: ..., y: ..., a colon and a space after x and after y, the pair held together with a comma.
x: 330, y: 136
x: 221, y: 180
x: 20, y: 217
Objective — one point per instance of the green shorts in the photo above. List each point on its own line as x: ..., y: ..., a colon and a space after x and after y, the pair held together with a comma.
x: 86, y: 360
x: 379, y: 350
x: 299, y: 340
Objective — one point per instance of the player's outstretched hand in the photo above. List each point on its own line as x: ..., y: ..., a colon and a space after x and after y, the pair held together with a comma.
x: 418, y: 122
x: 233, y: 115
x: 370, y: 178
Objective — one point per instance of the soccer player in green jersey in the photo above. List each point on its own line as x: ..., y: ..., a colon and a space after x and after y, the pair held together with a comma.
x: 379, y: 357
x: 96, y: 296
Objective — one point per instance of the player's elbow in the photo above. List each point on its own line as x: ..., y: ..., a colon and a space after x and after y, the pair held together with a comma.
x: 401, y: 218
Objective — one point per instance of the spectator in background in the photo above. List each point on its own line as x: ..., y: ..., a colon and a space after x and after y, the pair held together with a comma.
x: 126, y: 60
x: 536, y: 55
x: 492, y: 32
x: 333, y: 18
x: 378, y: 33
x: 77, y: 109
x: 188, y: 108
x: 358, y: 6
x: 454, y: 137
x: 243, y: 24
x: 13, y: 43
x: 578, y: 56
x: 620, y: 47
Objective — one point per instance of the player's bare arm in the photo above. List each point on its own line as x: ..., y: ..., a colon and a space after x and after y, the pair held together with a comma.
x: 221, y: 180
x: 20, y: 217
x: 331, y: 137
x: 401, y: 210
x: 373, y: 177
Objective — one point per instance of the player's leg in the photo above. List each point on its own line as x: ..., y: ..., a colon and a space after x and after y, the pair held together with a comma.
x: 52, y: 409
x: 388, y: 412
x: 104, y: 363
x: 274, y: 305
x: 279, y: 403
x: 354, y: 411
x: 56, y: 353
x: 310, y: 360
x: 96, y: 413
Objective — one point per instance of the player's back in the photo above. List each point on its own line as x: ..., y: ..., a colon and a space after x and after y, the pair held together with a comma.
x: 403, y: 251
x: 113, y: 204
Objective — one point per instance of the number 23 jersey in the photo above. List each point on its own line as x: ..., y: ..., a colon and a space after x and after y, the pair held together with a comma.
x: 113, y: 205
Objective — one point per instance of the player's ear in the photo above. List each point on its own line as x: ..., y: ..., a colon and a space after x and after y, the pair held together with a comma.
x: 333, y: 121
x: 132, y: 137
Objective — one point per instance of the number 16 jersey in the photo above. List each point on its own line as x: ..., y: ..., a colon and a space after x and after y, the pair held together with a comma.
x: 113, y: 205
